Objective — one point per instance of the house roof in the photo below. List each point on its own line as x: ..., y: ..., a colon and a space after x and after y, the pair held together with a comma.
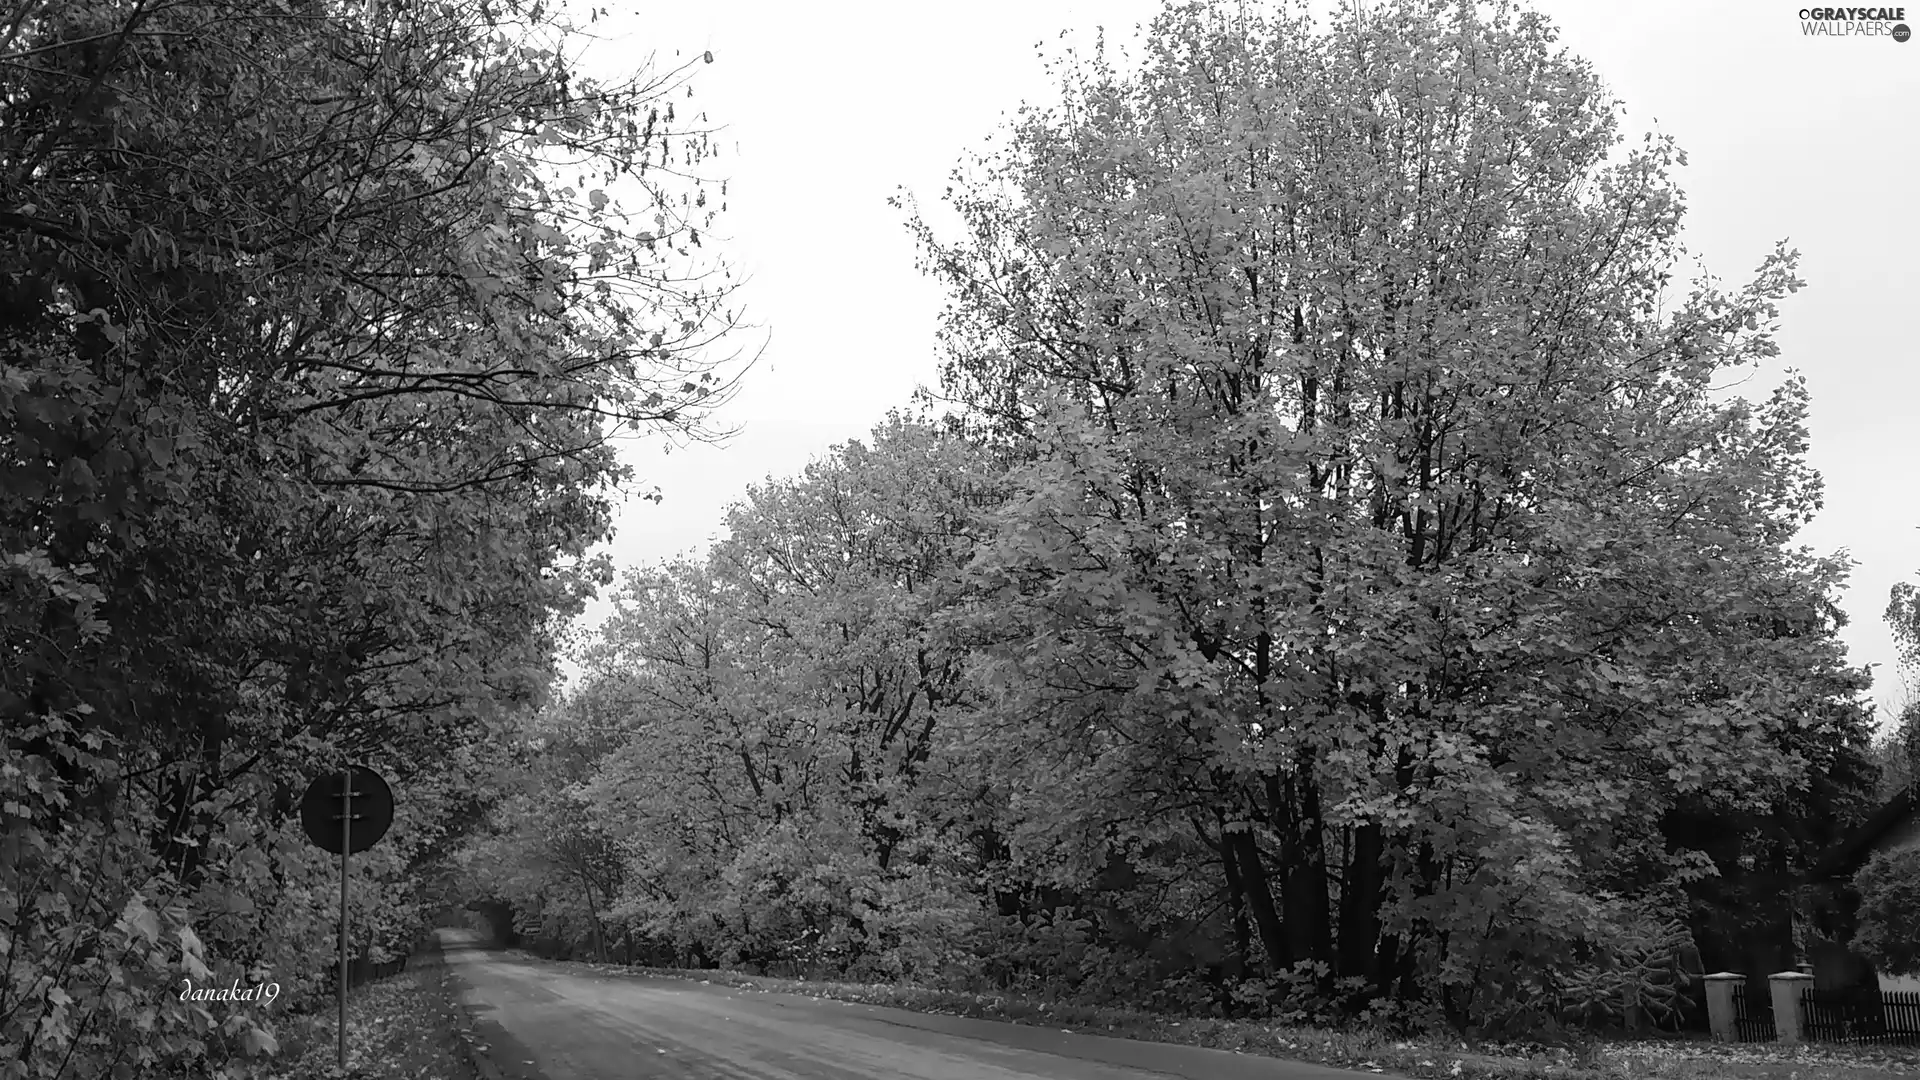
x: 1854, y: 849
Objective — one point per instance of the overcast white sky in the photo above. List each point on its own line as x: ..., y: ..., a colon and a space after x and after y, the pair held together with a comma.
x: 829, y: 107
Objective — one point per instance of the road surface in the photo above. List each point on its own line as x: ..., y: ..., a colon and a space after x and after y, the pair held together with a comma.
x: 542, y: 1021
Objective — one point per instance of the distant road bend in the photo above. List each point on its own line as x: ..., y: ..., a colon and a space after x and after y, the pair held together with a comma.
x: 543, y: 1021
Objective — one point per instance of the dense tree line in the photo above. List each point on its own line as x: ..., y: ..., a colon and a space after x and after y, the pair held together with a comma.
x: 1335, y: 587
x: 315, y: 323
x: 1338, y: 584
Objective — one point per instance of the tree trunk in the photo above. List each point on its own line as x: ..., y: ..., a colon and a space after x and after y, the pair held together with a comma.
x: 1253, y: 878
x: 1237, y: 903
x: 1363, y: 951
x: 599, y: 937
x: 1426, y: 884
x: 1304, y: 854
x: 1360, y: 891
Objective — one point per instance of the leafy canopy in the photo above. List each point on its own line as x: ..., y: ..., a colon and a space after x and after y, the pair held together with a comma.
x: 317, y: 322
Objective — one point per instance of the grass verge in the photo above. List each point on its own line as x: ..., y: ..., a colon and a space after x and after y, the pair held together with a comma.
x: 1363, y: 1050
x: 402, y: 1028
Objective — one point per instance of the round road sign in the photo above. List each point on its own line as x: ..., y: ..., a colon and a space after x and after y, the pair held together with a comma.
x: 372, y: 808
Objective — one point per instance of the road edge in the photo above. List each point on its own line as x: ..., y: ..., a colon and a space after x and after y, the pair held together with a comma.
x: 468, y: 1036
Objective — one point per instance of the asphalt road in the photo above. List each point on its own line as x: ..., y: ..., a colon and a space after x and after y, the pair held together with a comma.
x: 542, y: 1021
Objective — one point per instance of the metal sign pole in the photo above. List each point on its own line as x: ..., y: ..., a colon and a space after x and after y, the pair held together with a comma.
x: 328, y: 817
x: 346, y: 849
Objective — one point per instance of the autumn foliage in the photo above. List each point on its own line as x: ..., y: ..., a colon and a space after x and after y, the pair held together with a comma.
x: 313, y: 332
x: 1341, y: 584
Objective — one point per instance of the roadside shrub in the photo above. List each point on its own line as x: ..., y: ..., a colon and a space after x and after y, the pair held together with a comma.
x: 1889, y: 927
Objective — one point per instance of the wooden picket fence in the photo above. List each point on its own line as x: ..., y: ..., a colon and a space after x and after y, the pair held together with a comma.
x: 1753, y: 1012
x: 1861, y: 1015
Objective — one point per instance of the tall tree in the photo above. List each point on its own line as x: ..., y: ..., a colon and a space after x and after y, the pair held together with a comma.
x: 1384, y: 520
x: 780, y: 707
